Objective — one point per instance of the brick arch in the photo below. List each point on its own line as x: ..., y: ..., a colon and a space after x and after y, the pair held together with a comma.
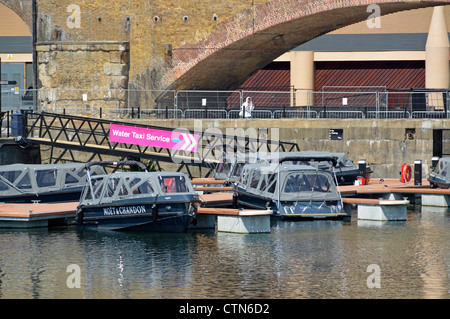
x: 24, y: 9
x: 254, y: 37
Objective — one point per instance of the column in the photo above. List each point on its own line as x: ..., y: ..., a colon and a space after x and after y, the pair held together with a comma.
x: 302, y: 76
x: 437, y: 58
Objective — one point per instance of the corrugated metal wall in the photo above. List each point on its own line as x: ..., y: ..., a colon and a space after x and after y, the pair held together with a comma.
x: 391, y: 74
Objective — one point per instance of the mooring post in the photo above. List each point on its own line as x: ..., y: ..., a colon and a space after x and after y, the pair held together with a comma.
x: 417, y: 172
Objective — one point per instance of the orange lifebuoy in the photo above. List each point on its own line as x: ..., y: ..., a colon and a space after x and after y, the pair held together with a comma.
x: 405, y: 175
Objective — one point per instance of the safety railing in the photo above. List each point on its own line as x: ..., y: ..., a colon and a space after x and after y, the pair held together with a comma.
x: 160, y: 104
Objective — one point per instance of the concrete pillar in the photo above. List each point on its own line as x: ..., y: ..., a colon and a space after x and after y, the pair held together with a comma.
x: 302, y: 76
x: 437, y: 57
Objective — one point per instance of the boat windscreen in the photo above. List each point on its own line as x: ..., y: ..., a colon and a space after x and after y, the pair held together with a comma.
x: 97, y: 186
x: 344, y: 161
x: 304, y: 186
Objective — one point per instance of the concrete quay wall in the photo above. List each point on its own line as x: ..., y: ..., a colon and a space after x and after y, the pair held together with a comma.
x: 384, y: 144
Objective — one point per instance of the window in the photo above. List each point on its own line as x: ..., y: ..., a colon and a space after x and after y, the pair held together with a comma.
x: 25, y: 182
x: 111, y: 186
x: 46, y: 177
x: 97, y: 184
x: 138, y: 186
x: 173, y: 184
x: 272, y: 182
x: 11, y: 176
x: 74, y: 177
x: 307, y: 183
x: 256, y: 177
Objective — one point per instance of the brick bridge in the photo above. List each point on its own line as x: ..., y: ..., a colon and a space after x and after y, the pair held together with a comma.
x: 178, y: 44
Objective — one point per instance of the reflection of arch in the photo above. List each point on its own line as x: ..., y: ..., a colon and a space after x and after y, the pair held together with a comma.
x: 252, y: 38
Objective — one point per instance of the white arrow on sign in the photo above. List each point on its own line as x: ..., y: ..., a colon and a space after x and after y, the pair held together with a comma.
x: 189, y: 142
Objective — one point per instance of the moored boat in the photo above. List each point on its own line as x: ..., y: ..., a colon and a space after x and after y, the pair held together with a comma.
x: 291, y: 191
x: 440, y: 176
x: 24, y: 183
x: 137, y: 200
x: 345, y: 169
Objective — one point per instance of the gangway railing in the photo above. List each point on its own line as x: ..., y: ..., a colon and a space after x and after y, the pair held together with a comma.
x: 67, y: 134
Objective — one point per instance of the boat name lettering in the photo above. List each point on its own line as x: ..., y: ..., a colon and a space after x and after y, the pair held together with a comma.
x: 123, y: 210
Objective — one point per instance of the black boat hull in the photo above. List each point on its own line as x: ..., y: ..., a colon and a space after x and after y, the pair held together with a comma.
x: 136, y: 217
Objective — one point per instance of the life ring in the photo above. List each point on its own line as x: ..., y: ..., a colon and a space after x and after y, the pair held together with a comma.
x: 405, y: 175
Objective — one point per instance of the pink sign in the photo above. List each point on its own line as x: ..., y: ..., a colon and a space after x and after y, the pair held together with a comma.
x: 152, y: 137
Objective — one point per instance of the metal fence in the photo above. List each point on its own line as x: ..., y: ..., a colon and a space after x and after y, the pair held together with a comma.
x: 335, y: 103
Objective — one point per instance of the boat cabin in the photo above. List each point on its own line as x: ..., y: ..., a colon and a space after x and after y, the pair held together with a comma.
x: 121, y: 186
x: 290, y: 190
x: 44, y: 182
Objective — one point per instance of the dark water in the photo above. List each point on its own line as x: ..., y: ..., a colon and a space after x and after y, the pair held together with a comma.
x: 314, y: 259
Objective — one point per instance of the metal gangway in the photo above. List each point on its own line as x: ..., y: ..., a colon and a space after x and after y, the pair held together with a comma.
x: 66, y: 135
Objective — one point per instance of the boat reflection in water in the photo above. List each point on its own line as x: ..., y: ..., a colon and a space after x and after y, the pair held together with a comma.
x: 292, y: 191
x: 137, y: 200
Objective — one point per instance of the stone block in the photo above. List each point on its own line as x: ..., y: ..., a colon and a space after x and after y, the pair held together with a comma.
x: 258, y: 222
x: 436, y: 200
x: 117, y: 69
x: 388, y: 212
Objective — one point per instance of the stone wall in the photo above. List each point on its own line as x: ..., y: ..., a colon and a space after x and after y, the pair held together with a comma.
x: 102, y: 67
x: 384, y: 144
x: 178, y: 44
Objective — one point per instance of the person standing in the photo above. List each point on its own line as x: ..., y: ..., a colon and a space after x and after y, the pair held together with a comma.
x: 247, y: 108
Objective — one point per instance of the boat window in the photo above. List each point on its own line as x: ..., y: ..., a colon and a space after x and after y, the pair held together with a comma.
x: 46, y: 177
x: 96, y: 187
x: 18, y: 178
x: 173, y: 184
x: 139, y: 187
x: 11, y: 175
x: 442, y: 170
x: 224, y: 168
x: 271, y: 182
x: 70, y: 179
x: 25, y: 182
x: 267, y: 181
x: 3, y: 186
x: 111, y: 186
x: 256, y: 177
x: 306, y: 183
x: 238, y: 169
x: 345, y: 162
x: 73, y: 176
x: 244, y: 176
x: 93, y: 170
